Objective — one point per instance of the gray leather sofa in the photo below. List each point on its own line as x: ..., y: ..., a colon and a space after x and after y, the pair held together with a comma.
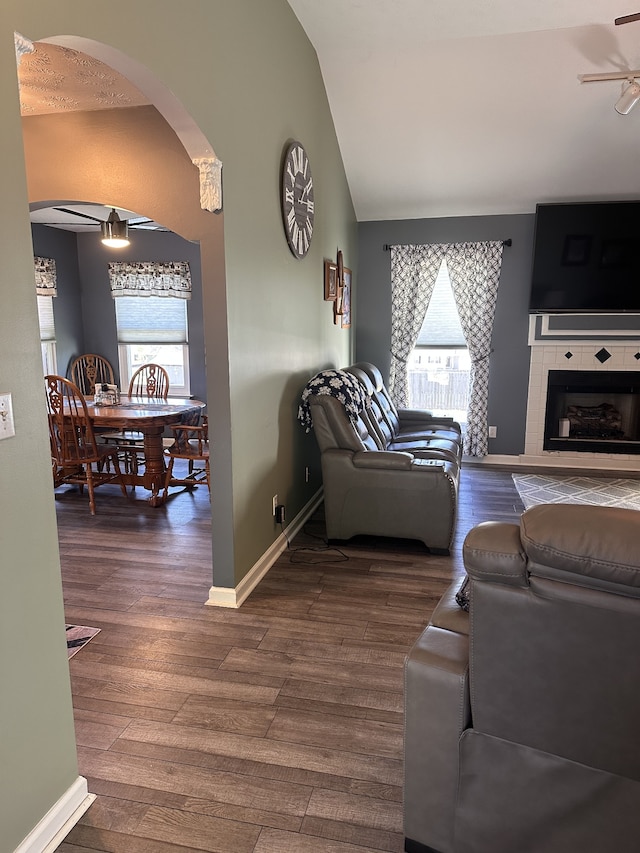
x: 404, y: 423
x: 521, y: 716
x: 378, y: 486
x: 421, y: 435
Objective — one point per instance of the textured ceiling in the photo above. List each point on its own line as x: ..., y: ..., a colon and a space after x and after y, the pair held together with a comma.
x: 57, y: 79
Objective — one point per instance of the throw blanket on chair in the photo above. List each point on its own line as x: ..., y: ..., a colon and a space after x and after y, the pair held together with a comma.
x: 339, y: 384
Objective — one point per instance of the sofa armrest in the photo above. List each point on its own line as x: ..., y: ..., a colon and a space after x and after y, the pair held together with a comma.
x: 448, y: 614
x: 383, y: 459
x: 492, y: 551
x: 437, y: 711
x: 398, y: 460
x: 391, y: 460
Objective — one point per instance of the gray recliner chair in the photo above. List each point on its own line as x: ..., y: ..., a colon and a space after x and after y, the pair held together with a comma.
x: 521, y: 716
x: 368, y: 490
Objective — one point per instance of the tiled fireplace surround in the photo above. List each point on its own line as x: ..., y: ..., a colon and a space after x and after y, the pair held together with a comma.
x: 577, y: 342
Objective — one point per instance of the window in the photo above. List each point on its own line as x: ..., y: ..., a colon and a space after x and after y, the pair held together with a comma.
x: 439, y: 365
x: 154, y: 329
x: 47, y: 334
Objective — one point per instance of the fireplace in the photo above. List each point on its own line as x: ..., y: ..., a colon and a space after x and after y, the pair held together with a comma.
x: 593, y: 411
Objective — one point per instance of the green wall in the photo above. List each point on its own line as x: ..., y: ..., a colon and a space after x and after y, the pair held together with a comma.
x: 37, y: 750
x: 249, y: 78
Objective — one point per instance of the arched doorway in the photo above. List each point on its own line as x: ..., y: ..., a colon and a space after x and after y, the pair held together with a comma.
x: 134, y: 158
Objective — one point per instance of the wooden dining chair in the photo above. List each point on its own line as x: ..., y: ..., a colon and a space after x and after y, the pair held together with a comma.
x: 150, y: 380
x: 74, y: 449
x: 190, y: 442
x: 89, y: 369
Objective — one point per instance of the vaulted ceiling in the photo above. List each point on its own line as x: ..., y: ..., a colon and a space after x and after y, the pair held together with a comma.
x: 464, y: 108
x: 440, y: 108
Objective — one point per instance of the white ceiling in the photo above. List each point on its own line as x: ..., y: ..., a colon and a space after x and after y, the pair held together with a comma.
x: 71, y: 216
x: 474, y: 107
x: 441, y: 108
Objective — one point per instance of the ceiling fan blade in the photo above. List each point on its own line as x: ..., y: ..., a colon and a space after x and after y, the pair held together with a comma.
x: 77, y: 213
x: 143, y: 223
x: 627, y: 19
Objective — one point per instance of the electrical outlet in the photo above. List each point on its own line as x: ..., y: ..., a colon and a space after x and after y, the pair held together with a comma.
x: 274, y: 504
x: 279, y: 513
x: 493, y: 432
x: 306, y: 474
x: 7, y: 428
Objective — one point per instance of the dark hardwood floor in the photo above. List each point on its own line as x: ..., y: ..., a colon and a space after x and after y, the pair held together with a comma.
x: 274, y: 728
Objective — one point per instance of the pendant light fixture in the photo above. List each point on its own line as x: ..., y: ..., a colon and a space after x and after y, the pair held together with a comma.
x: 629, y: 97
x: 115, y: 231
x: 630, y: 88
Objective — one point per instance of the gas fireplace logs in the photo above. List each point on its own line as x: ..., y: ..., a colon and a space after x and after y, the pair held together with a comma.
x: 603, y: 421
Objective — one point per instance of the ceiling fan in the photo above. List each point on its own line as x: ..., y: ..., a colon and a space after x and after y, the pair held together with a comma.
x: 141, y: 222
x: 631, y: 88
x: 114, y: 226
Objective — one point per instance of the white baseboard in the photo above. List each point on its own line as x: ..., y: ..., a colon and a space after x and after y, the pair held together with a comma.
x: 58, y: 822
x: 491, y: 459
x: 591, y: 463
x: 223, y: 596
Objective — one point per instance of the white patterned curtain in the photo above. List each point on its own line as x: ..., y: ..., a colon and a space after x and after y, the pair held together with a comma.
x: 150, y: 278
x: 414, y: 270
x: 45, y: 274
x: 474, y: 273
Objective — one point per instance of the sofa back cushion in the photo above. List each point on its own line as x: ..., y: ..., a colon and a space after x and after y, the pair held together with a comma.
x: 374, y: 415
x: 333, y: 429
x: 591, y: 546
x: 381, y: 395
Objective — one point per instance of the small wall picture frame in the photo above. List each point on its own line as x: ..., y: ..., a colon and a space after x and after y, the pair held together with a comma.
x: 330, y: 281
x: 346, y: 298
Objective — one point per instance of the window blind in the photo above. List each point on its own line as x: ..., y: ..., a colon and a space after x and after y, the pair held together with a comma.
x: 151, y: 320
x: 45, y: 318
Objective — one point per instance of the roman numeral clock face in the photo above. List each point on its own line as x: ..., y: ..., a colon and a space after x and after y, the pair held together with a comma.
x: 297, y: 199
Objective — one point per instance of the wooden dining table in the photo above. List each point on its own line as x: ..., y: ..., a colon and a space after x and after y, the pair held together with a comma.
x: 149, y: 416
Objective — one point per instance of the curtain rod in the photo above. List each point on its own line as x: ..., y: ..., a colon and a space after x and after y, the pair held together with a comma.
x: 508, y: 242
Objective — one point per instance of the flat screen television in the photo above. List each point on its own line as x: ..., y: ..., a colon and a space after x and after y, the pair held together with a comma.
x: 586, y: 258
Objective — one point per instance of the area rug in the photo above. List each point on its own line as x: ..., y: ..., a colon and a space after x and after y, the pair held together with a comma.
x: 78, y: 636
x: 597, y: 491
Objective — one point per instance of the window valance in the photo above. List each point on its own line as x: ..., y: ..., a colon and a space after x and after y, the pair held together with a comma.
x: 45, y: 274
x: 150, y: 278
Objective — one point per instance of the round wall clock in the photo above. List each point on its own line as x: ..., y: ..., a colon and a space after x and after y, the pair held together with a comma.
x: 297, y: 199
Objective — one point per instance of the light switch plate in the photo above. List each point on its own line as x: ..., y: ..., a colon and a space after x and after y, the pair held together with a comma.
x: 7, y: 428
